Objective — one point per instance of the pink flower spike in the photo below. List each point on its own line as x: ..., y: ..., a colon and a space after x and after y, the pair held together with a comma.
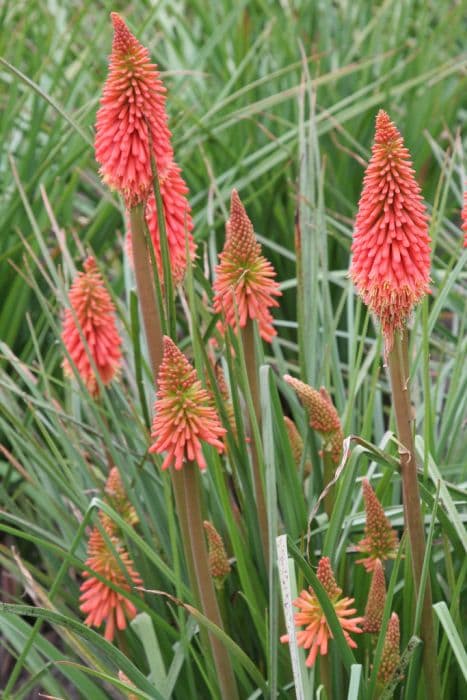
x: 391, y: 247
x: 132, y: 114
x: 317, y: 633
x: 244, y: 278
x: 183, y: 412
x: 92, y: 316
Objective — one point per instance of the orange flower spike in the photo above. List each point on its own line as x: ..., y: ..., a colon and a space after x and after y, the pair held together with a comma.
x: 390, y: 657
x: 317, y: 633
x: 464, y: 219
x: 376, y: 599
x: 183, y: 412
x: 219, y: 565
x: 244, y: 278
x: 391, y: 247
x: 92, y: 315
x: 322, y: 415
x: 132, y: 114
x: 118, y: 497
x: 99, y: 601
x: 380, y: 541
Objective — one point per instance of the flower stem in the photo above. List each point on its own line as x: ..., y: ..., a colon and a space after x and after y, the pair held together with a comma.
x: 248, y: 340
x: 398, y: 369
x: 325, y: 675
x: 145, y: 285
x: 329, y: 468
x: 179, y: 492
x: 205, y: 585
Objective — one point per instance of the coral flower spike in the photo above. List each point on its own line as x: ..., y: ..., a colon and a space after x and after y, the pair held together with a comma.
x: 132, y: 115
x: 317, y: 633
x: 380, y: 541
x: 244, y: 278
x: 100, y: 602
x: 391, y: 247
x: 92, y: 316
x: 183, y: 412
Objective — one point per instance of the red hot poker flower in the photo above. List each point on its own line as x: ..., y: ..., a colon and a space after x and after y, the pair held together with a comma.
x: 322, y: 415
x: 219, y: 565
x: 183, y: 412
x: 390, y: 657
x: 380, y: 541
x: 296, y: 445
x: 317, y: 633
x: 118, y: 498
x: 244, y: 278
x: 376, y: 599
x: 132, y: 115
x: 92, y: 315
x: 100, y: 602
x: 464, y: 219
x: 391, y: 247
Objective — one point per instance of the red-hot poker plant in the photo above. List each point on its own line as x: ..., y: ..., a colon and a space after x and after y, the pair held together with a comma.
x: 380, y: 541
x: 192, y: 631
x: 390, y: 658
x: 391, y: 247
x: 322, y: 416
x: 316, y: 634
x: 183, y: 413
x: 296, y: 445
x: 374, y: 608
x: 131, y: 123
x: 98, y: 600
x: 391, y: 269
x: 219, y: 565
x: 244, y: 283
x: 90, y: 334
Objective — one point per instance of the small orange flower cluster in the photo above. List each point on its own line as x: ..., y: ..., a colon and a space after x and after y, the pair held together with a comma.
x: 296, y: 445
x: 219, y: 565
x: 322, y: 415
x: 380, y: 543
x: 108, y: 558
x: 317, y: 632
